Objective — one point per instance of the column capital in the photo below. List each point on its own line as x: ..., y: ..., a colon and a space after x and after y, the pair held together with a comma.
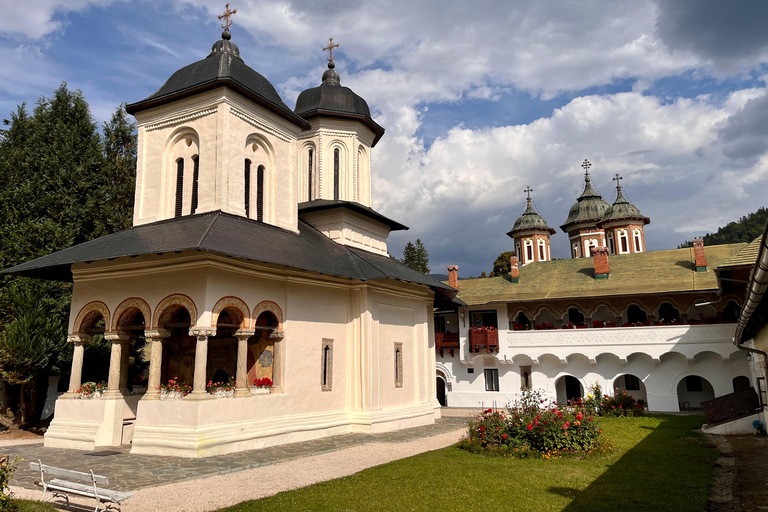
x: 202, y: 332
x: 157, y: 333
x: 79, y: 339
x: 117, y: 336
x: 277, y: 335
x: 244, y: 333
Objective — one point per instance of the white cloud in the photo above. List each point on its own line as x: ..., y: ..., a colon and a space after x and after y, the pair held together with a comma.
x: 37, y: 18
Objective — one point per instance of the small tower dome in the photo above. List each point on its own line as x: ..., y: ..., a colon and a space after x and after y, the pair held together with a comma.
x: 531, y: 235
x: 623, y: 224
x: 583, y: 217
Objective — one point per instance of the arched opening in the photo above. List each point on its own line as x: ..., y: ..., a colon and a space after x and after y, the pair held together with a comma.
x: 222, y: 348
x: 668, y: 313
x: 692, y: 390
x: 363, y: 177
x: 568, y: 388
x: 183, y: 172
x: 179, y: 350
x: 260, y: 193
x: 545, y: 320
x: 632, y: 384
x: 521, y: 322
x: 247, y: 180
x: 603, y: 317
x: 195, y: 180
x: 634, y: 315
x: 336, y: 173
x: 702, y: 315
x: 442, y: 388
x: 731, y: 312
x: 259, y: 158
x: 741, y: 383
x: 261, y: 349
x: 574, y: 318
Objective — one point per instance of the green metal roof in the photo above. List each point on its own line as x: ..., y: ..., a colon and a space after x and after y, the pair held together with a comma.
x: 589, y: 208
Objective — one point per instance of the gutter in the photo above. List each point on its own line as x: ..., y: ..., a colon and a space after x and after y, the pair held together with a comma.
x: 758, y: 285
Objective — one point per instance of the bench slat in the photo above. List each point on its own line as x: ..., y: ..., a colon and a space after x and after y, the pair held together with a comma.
x: 86, y: 490
x: 69, y: 474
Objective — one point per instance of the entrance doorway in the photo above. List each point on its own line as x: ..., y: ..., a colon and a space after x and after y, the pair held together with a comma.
x: 568, y: 388
x: 441, y: 391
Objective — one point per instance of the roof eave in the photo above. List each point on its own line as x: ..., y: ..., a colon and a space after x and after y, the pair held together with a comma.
x: 378, y: 130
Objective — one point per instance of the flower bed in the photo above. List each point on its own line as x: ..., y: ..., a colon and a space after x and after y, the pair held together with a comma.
x: 92, y: 390
x: 535, y: 427
x: 174, y: 389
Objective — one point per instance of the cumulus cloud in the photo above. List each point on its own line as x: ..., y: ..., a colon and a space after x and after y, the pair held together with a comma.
x: 37, y: 18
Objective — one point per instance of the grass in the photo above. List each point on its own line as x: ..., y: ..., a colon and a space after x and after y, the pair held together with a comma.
x: 35, y: 506
x: 658, y: 464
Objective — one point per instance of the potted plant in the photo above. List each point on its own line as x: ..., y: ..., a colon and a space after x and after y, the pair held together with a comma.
x: 262, y: 386
x: 174, y: 390
x: 222, y: 389
x: 91, y: 390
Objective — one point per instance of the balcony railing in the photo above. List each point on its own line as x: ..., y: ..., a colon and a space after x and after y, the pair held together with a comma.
x: 446, y: 341
x: 479, y: 339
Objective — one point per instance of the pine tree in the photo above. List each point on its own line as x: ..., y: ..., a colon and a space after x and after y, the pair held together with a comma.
x: 416, y: 257
x: 745, y: 229
x: 501, y: 266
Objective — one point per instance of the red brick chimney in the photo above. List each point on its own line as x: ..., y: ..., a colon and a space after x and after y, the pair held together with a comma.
x: 514, y: 272
x: 602, y: 270
x: 698, y: 253
x: 453, y: 276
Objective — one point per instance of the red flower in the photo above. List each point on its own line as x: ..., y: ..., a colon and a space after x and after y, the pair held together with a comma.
x: 565, y: 426
x: 530, y: 427
x: 579, y: 416
x: 482, y: 428
x: 504, y: 436
x: 590, y: 418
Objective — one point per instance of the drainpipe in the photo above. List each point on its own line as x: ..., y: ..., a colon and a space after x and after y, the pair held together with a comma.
x: 758, y: 285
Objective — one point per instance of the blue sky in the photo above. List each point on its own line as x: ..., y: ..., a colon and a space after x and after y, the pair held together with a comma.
x: 479, y: 99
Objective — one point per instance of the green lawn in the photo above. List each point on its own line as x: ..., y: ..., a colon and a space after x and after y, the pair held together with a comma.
x: 35, y: 506
x: 658, y: 464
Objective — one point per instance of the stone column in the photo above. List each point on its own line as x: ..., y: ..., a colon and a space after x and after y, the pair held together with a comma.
x: 243, y: 386
x: 75, y: 379
x: 201, y: 361
x: 119, y: 356
x: 156, y: 336
x: 277, y: 361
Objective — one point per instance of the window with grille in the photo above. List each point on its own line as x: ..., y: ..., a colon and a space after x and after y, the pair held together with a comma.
x: 398, y: 365
x: 309, y: 175
x: 179, y: 186
x: 195, y: 177
x: 260, y: 193
x: 326, y: 376
x: 336, y: 174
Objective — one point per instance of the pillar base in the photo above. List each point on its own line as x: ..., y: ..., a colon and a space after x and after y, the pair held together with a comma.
x: 150, y: 396
x: 242, y: 392
x: 199, y: 395
x: 114, y: 395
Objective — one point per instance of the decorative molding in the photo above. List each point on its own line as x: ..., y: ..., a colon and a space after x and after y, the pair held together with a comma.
x: 276, y: 335
x: 79, y: 339
x: 268, y: 305
x: 258, y: 124
x: 157, y: 334
x: 127, y: 305
x: 235, y: 303
x: 202, y: 332
x: 117, y: 336
x: 165, y: 309
x: 245, y: 333
x: 89, y: 312
x: 667, y: 335
x: 181, y: 119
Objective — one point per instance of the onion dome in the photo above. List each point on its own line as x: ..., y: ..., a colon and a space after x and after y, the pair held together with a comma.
x: 623, y: 209
x: 222, y: 68
x: 590, y: 206
x: 331, y: 99
x: 530, y: 220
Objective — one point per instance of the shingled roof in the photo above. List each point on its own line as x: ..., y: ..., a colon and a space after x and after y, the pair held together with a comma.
x: 745, y: 257
x: 230, y: 235
x: 631, y: 274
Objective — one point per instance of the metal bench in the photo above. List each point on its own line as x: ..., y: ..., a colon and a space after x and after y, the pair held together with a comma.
x: 63, y: 482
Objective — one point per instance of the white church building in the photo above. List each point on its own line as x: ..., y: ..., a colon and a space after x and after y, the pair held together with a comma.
x: 254, y: 253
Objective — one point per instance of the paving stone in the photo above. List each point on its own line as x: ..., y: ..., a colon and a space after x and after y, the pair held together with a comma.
x: 129, y: 472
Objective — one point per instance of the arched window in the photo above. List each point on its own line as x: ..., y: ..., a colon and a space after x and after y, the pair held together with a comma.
x: 309, y: 174
x: 668, y: 312
x: 623, y: 242
x: 611, y: 244
x: 637, y: 241
x: 260, y: 193
x: 195, y: 177
x: 179, y: 186
x: 247, y: 180
x: 731, y: 312
x: 741, y: 383
x: 336, y: 174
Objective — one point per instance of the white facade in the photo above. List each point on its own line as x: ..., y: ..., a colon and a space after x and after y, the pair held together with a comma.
x: 661, y: 357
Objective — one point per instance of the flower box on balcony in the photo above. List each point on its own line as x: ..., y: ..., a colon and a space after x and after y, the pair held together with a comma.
x: 483, y: 338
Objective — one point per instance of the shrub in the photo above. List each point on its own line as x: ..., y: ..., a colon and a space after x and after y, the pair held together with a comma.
x: 621, y: 404
x: 533, y: 426
x: 7, y: 467
x: 89, y: 389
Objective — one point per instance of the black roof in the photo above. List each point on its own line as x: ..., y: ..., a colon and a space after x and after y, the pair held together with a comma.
x: 223, y: 67
x: 330, y: 99
x: 317, y: 205
x: 231, y: 235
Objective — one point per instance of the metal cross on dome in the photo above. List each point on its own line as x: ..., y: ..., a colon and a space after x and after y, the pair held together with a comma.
x: 330, y: 48
x: 586, y: 165
x: 617, y: 179
x: 227, y: 16
x: 528, y: 191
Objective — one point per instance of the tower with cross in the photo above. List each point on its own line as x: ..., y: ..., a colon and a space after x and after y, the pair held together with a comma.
x: 531, y: 234
x: 623, y: 224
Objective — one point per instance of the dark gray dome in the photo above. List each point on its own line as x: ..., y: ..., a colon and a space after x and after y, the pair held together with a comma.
x: 623, y: 210
x: 331, y: 99
x: 222, y: 67
x: 530, y: 221
x: 589, y: 208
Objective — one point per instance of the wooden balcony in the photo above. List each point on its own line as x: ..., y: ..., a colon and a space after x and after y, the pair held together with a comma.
x: 446, y: 341
x: 488, y: 340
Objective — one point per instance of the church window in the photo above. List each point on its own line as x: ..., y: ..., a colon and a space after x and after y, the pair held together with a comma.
x: 491, y: 379
x: 309, y: 174
x: 542, y: 256
x: 260, y: 193
x: 575, y: 251
x: 247, y: 179
x: 336, y: 174
x: 528, y: 252
x: 195, y: 177
x: 398, y: 365
x: 525, y: 378
x: 637, y: 241
x: 611, y: 244
x: 327, y: 365
x: 179, y: 186
x: 624, y: 245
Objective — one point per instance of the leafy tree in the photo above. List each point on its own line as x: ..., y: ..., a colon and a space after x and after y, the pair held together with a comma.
x: 415, y: 256
x: 63, y: 184
x: 482, y: 275
x: 745, y: 229
x: 501, y: 266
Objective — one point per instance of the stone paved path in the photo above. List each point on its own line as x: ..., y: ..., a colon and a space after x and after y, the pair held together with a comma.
x: 130, y: 472
x: 740, y: 474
